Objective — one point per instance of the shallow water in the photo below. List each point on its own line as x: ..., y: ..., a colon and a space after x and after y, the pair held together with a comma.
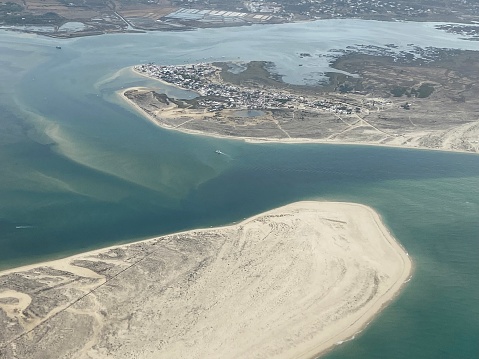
x: 81, y: 170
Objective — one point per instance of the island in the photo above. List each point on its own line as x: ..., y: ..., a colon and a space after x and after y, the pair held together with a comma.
x: 292, y: 282
x: 379, y: 98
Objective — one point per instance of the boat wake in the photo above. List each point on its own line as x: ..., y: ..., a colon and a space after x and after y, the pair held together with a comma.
x: 218, y: 152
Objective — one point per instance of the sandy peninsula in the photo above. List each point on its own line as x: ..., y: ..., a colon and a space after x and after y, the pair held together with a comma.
x: 290, y: 283
x: 312, y: 115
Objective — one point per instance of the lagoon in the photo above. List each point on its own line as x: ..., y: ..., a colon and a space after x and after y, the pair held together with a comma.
x: 80, y: 170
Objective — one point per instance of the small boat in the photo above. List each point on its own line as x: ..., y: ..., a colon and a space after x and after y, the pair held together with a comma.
x: 58, y: 47
x: 219, y: 152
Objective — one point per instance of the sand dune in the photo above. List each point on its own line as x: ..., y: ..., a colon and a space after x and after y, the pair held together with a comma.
x: 289, y: 283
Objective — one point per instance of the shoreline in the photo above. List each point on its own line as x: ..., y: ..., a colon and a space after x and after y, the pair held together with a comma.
x: 132, y: 69
x: 342, y: 331
x: 132, y: 105
x: 20, y: 27
x: 406, y: 277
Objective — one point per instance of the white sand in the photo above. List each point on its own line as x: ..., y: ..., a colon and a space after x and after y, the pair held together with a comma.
x: 289, y: 283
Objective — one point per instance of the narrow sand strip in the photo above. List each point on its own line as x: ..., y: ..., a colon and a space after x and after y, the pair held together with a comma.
x: 289, y: 283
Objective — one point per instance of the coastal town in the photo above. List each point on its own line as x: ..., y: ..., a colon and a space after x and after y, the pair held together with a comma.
x: 380, y: 105
x: 215, y: 95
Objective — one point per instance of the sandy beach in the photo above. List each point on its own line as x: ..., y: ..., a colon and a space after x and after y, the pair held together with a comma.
x: 289, y: 283
x: 389, y: 126
x: 179, y: 119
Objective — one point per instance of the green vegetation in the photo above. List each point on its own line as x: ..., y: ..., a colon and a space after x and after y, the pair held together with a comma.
x: 398, y: 91
x: 49, y: 18
x: 425, y: 90
x: 346, y: 87
x: 261, y: 72
x: 10, y: 7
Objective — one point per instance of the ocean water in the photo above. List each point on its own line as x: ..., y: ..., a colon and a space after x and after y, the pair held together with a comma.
x: 81, y: 170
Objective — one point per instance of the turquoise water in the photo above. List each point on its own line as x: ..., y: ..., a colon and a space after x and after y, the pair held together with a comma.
x: 80, y: 170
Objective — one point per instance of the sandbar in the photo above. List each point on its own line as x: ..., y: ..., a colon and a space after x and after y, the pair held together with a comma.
x: 292, y: 282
